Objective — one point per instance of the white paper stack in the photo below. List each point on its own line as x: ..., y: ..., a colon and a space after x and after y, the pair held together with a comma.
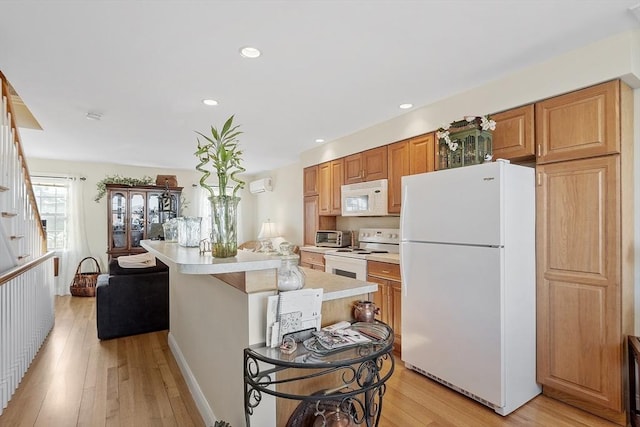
x: 292, y: 311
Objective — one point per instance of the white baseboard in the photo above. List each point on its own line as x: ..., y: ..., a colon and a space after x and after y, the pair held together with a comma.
x: 203, y: 406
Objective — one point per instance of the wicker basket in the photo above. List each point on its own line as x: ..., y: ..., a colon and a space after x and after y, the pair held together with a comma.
x: 84, y: 284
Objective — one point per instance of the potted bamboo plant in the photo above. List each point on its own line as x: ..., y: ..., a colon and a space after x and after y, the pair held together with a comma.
x: 220, y: 154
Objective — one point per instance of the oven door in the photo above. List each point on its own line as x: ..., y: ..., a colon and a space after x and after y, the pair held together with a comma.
x: 354, y: 268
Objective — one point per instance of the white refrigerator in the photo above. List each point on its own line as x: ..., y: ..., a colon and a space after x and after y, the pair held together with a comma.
x: 467, y: 255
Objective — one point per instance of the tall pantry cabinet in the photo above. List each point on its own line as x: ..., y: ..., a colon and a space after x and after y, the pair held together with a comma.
x: 584, y: 168
x: 313, y: 220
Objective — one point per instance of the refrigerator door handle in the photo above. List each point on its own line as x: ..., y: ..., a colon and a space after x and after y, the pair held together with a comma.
x: 403, y: 272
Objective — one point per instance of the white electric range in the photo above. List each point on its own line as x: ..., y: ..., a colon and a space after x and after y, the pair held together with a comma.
x: 352, y: 262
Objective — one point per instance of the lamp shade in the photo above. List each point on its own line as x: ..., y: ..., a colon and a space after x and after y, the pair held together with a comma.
x: 268, y: 230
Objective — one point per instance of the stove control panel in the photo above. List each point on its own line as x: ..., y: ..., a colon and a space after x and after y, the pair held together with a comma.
x: 379, y: 235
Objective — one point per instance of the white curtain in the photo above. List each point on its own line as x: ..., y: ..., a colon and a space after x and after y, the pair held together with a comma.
x: 202, y: 209
x: 77, y: 245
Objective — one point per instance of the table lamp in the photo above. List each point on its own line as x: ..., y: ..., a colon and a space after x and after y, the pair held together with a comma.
x: 267, y: 232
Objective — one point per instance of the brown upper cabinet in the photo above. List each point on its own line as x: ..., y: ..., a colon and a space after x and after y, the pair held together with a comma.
x: 422, y: 153
x: 399, y: 166
x: 310, y: 181
x: 513, y: 138
x: 366, y: 166
x: 580, y: 124
x: 330, y: 177
x: 408, y: 157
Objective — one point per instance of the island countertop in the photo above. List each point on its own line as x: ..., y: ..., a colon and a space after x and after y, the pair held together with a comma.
x: 190, y: 261
x: 262, y: 267
x: 336, y: 287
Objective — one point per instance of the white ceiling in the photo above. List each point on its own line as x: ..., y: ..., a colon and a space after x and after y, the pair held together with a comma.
x: 328, y: 69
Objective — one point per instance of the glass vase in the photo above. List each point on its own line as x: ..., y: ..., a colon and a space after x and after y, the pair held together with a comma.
x: 224, y: 226
x: 189, y: 231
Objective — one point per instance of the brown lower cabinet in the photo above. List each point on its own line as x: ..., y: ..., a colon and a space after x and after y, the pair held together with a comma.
x: 584, y: 312
x: 313, y: 260
x: 389, y: 296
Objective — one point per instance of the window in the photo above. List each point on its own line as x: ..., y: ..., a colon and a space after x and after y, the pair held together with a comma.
x: 52, y: 204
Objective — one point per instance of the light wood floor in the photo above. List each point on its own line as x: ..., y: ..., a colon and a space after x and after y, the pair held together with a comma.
x: 134, y: 381
x: 77, y: 379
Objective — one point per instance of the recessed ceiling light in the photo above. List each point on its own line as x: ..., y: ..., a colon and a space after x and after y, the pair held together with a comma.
x: 319, y: 140
x: 405, y: 106
x: 209, y: 102
x: 249, y: 52
x: 93, y: 116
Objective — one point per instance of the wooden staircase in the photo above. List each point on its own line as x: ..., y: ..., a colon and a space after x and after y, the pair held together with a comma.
x: 21, y: 230
x: 26, y: 269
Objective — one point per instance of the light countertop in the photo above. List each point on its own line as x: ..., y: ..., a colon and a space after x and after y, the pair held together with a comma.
x: 390, y: 258
x: 316, y: 249
x: 336, y: 287
x: 189, y: 260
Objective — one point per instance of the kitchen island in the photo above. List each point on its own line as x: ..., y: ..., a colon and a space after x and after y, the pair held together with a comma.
x: 218, y: 308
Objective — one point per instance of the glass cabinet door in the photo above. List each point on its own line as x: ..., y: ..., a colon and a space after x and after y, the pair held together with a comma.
x: 172, y: 212
x: 153, y: 208
x: 137, y: 213
x: 137, y: 218
x: 167, y: 206
x: 154, y: 216
x: 119, y: 220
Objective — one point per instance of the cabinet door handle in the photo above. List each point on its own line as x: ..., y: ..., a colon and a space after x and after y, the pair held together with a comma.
x: 539, y: 150
x: 386, y: 271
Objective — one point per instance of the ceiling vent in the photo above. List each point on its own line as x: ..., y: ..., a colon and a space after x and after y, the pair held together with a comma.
x: 260, y: 185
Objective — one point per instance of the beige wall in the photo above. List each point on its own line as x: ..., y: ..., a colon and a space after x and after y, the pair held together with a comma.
x: 283, y: 205
x: 96, y: 213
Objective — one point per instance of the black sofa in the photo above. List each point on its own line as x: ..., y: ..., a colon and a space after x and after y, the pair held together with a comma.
x: 132, y: 301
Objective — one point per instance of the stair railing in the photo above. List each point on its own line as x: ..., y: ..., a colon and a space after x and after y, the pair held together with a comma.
x: 20, y: 224
x: 26, y: 268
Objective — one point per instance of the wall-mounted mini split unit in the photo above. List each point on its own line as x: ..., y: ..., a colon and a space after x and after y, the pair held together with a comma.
x: 260, y: 185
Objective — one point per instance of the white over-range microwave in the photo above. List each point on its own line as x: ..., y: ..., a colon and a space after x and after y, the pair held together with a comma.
x: 365, y: 198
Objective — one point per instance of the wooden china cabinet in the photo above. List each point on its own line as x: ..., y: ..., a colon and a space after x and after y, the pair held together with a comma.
x: 137, y: 213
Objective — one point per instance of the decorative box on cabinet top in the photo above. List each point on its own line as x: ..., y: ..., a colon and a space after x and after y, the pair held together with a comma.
x: 472, y: 146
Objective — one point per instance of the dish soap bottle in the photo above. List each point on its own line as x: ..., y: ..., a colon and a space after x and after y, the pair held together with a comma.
x: 290, y: 277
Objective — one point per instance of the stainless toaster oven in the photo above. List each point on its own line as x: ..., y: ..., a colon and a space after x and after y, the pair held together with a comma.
x: 333, y: 238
